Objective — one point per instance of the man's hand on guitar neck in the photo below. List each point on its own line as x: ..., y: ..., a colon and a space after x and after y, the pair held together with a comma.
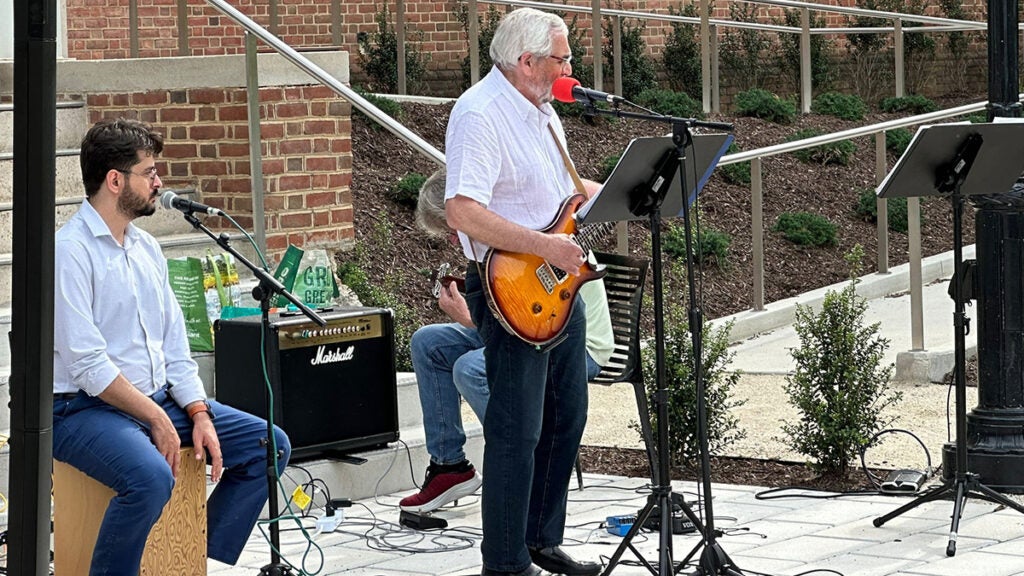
x: 562, y: 252
x: 454, y: 305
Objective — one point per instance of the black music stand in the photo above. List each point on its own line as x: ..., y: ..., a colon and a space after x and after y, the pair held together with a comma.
x: 649, y: 178
x: 957, y: 160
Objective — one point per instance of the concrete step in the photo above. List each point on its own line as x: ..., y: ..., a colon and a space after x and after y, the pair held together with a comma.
x: 72, y: 124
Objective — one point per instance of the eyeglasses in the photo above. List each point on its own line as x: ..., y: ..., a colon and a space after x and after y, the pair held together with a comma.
x: 563, y: 60
x: 148, y: 173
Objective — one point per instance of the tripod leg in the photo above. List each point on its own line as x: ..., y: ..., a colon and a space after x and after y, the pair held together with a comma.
x: 996, y: 497
x: 958, y: 509
x: 627, y: 540
x: 933, y: 494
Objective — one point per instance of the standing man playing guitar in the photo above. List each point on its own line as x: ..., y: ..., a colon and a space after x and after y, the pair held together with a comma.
x: 449, y: 362
x: 508, y: 176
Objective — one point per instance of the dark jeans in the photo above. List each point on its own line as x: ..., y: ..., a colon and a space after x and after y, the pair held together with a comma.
x: 115, y: 449
x: 535, y: 419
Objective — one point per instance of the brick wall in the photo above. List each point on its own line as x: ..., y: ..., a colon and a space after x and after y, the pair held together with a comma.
x: 99, y: 30
x: 306, y: 147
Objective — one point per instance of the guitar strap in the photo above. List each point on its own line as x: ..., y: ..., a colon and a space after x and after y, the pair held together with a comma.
x: 568, y: 163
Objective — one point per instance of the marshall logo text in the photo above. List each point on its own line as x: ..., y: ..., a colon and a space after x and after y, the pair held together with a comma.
x: 330, y: 357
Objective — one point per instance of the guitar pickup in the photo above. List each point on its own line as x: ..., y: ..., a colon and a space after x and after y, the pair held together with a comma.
x: 544, y: 276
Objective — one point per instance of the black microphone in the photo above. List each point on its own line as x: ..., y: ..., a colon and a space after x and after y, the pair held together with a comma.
x: 567, y: 89
x: 171, y: 200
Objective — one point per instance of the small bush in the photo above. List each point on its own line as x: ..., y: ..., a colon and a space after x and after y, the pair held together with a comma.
x: 806, y: 229
x: 763, y: 104
x: 681, y: 55
x: 914, y: 104
x: 738, y: 173
x: 671, y: 103
x: 832, y: 153
x: 711, y: 245
x: 978, y: 118
x: 378, y: 56
x: 407, y: 191
x: 897, y: 140
x: 896, y: 208
x: 845, y: 106
x: 386, y: 105
x: 840, y: 385
x: 607, y: 165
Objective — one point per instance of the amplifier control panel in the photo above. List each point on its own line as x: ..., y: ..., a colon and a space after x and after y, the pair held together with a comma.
x: 340, y: 329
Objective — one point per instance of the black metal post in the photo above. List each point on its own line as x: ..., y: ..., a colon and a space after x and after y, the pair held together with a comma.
x: 35, y: 101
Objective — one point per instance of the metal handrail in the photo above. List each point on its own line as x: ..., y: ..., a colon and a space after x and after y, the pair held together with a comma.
x: 320, y: 75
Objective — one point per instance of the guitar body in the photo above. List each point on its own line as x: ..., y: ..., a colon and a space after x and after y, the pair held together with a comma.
x: 531, y: 298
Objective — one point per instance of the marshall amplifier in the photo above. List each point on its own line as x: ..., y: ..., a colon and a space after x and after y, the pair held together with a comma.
x: 334, y: 386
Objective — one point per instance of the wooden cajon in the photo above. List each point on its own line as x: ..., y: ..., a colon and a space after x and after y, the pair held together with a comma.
x: 176, y: 545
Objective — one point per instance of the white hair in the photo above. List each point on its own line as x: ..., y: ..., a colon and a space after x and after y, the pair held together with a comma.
x: 524, y: 30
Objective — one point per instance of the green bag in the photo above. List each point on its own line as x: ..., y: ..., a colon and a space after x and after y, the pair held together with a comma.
x: 286, y: 271
x: 308, y: 275
x: 186, y: 279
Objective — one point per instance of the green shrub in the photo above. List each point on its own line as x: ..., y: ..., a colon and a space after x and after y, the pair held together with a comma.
x: 896, y: 208
x: 711, y: 245
x: 822, y: 50
x: 832, y: 153
x: 745, y: 52
x: 681, y: 56
x: 738, y: 173
x: 914, y: 104
x: 723, y: 426
x: 378, y: 57
x: 485, y: 33
x: 806, y: 229
x: 897, y: 140
x: 840, y: 386
x: 671, y: 103
x: 608, y: 164
x: 845, y: 106
x: 386, y: 105
x: 763, y: 104
x: 978, y: 118
x: 407, y: 191
x: 638, y: 72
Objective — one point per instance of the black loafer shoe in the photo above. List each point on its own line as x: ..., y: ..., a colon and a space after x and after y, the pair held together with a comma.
x: 530, y: 570
x: 556, y: 561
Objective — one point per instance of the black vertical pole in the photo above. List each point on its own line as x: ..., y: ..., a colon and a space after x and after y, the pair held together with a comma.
x: 994, y: 437
x: 35, y: 104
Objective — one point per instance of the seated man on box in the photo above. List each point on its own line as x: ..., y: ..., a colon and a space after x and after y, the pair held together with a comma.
x: 127, y: 393
x: 449, y: 362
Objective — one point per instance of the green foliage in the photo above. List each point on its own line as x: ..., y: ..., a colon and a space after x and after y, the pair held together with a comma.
x: 581, y: 46
x: 895, y: 208
x: 871, y: 59
x: 822, y: 50
x: 723, y: 427
x: 897, y: 140
x: 485, y: 33
x: 958, y: 45
x: 378, y: 57
x: 840, y: 386
x: 978, y: 118
x: 738, y: 173
x: 806, y: 229
x: 407, y: 191
x: 761, y: 103
x: 671, y: 103
x: 608, y: 164
x: 832, y: 153
x: 915, y: 104
x: 638, y: 72
x: 711, y: 246
x: 352, y: 273
x: 681, y: 56
x: 918, y: 49
x: 744, y: 51
x: 845, y: 106
x: 386, y: 105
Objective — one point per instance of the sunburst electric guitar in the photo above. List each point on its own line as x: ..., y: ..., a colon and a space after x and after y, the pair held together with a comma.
x: 531, y: 298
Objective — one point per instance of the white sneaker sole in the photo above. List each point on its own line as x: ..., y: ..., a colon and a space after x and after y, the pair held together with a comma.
x: 448, y: 496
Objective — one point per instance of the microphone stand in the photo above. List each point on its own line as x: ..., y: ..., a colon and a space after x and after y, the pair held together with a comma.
x: 266, y: 289
x: 713, y: 561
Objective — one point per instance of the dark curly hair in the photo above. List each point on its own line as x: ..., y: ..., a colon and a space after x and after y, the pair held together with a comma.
x: 114, y: 145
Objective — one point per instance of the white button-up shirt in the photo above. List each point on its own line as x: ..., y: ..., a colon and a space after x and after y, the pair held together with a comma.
x: 500, y: 152
x: 114, y: 312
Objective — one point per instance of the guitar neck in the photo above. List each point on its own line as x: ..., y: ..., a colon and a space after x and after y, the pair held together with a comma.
x: 588, y: 235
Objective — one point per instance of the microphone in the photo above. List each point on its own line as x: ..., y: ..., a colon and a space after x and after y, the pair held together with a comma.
x: 567, y: 89
x: 171, y: 200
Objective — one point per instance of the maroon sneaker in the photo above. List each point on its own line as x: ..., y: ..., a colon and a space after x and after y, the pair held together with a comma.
x: 440, y: 488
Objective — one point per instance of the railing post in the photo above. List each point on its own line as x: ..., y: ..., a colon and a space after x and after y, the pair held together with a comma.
x: 622, y: 237
x: 133, y: 28
x: 898, y: 56
x: 183, y: 28
x: 474, y: 42
x: 805, y: 60
x: 881, y: 204
x: 252, y: 104
x: 757, y: 232
x: 705, y: 54
x: 336, y: 22
x: 617, y: 53
x: 595, y: 24
x: 272, y: 17
x: 400, y: 35
x: 916, y: 300
x: 716, y: 92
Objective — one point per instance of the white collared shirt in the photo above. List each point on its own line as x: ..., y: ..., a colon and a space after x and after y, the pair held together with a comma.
x: 500, y: 152
x: 114, y: 312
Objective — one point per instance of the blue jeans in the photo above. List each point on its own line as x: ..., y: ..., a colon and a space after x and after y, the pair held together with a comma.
x: 115, y: 449
x: 447, y: 358
x: 534, y: 423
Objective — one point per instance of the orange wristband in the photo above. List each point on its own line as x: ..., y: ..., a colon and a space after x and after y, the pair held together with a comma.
x: 196, y: 409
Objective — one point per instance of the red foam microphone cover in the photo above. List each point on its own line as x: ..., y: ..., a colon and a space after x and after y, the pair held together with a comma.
x: 562, y: 89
